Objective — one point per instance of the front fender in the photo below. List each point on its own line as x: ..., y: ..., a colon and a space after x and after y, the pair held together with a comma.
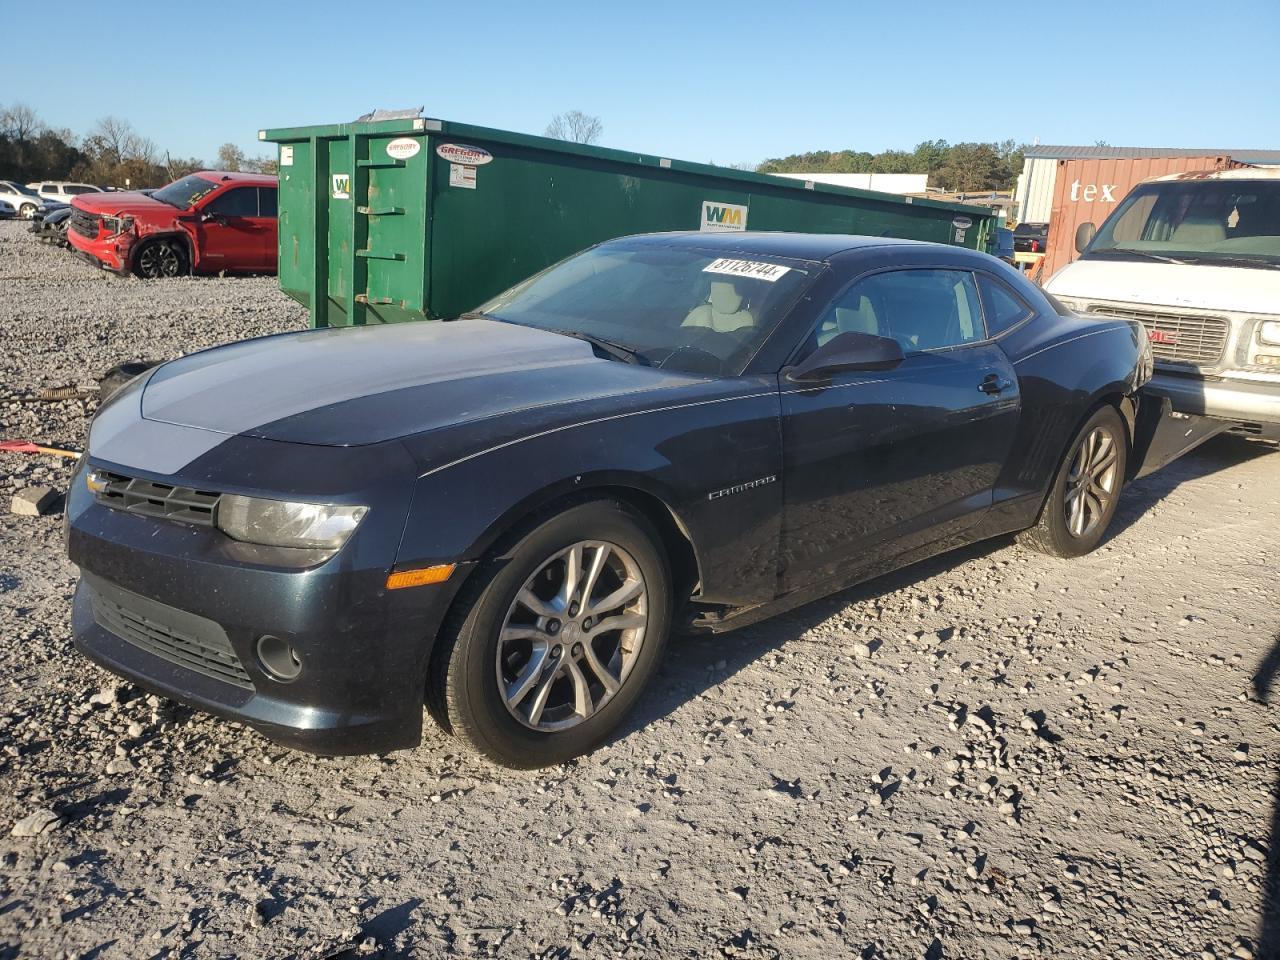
x: 686, y: 455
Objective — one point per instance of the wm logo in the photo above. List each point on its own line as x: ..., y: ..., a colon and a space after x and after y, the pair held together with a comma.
x: 722, y: 217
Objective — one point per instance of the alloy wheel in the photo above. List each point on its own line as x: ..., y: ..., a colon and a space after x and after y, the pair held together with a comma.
x: 572, y: 635
x: 160, y: 259
x: 1092, y: 482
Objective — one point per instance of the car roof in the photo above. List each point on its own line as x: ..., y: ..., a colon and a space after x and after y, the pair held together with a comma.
x: 797, y: 246
x: 230, y: 176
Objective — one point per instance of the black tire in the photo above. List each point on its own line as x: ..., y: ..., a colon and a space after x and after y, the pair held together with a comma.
x: 1053, y: 533
x: 27, y: 211
x: 159, y: 258
x: 463, y: 692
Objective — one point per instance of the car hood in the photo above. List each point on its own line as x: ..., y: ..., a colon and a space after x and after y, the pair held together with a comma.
x: 111, y: 204
x: 1198, y: 286
x: 359, y: 385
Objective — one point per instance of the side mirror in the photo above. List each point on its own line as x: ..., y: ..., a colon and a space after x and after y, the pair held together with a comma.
x: 848, y: 351
x: 208, y: 216
x: 1084, y: 236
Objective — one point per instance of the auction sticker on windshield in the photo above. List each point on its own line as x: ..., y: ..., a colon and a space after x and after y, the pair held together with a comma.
x: 754, y: 269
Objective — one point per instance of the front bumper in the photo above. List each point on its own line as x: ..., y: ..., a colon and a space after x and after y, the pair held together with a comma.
x: 101, y: 253
x: 1242, y: 401
x: 179, y: 609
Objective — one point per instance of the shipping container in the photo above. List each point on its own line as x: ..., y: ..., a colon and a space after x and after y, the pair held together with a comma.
x: 411, y: 219
x: 1086, y: 191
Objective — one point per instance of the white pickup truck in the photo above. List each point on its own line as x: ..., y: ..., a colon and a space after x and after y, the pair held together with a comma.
x: 1196, y: 258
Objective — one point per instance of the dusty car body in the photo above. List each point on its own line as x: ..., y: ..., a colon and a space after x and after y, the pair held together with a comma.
x: 787, y: 415
x: 208, y: 222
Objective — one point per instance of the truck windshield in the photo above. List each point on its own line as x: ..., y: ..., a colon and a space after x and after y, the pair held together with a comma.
x: 677, y: 307
x: 184, y: 193
x: 1231, y: 222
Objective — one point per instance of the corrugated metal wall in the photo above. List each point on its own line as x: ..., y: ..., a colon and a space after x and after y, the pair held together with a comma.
x: 1089, y: 190
x: 1035, y: 190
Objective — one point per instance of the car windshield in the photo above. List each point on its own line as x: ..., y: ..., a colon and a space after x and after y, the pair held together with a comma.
x: 676, y: 307
x: 1235, y: 222
x: 185, y: 193
x: 19, y: 188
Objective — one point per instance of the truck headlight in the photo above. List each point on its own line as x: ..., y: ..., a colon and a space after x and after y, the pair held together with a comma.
x: 1269, y: 332
x: 282, y: 523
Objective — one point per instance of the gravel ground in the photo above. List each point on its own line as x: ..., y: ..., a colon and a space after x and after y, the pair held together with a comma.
x: 992, y: 754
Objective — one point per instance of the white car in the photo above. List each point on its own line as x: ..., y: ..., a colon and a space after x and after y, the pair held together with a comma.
x: 61, y: 191
x: 23, y: 199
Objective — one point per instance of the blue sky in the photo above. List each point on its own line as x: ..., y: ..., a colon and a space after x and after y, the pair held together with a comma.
x: 726, y: 82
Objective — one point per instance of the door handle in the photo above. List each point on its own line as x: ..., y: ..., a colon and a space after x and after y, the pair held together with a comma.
x: 994, y: 384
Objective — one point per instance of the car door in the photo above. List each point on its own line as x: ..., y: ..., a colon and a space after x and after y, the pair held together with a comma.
x: 230, y: 231
x: 267, y: 221
x: 878, y: 463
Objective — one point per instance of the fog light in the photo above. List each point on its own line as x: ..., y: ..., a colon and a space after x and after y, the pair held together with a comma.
x: 278, y: 659
x: 1267, y: 360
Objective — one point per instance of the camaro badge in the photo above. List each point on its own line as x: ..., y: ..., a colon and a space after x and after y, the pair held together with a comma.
x: 738, y: 488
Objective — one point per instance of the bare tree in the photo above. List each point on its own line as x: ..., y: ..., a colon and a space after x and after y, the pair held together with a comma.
x: 576, y: 127
x: 115, y: 141
x: 230, y: 157
x: 262, y: 164
x: 19, y: 122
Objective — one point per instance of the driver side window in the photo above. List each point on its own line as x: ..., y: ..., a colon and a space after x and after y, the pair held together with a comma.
x: 238, y: 202
x: 921, y: 309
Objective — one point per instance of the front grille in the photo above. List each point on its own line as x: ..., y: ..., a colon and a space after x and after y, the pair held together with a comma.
x: 1177, y: 338
x: 84, y: 223
x: 157, y: 499
x: 174, y: 635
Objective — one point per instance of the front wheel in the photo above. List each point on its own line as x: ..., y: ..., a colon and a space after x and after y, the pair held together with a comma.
x: 161, y: 258
x: 553, y: 644
x: 1085, y: 491
x: 27, y: 211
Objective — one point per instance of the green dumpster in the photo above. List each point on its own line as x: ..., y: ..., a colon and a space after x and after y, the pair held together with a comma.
x: 411, y: 219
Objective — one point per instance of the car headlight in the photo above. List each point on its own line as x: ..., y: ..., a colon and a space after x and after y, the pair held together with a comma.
x: 1071, y: 303
x: 1269, y: 332
x: 281, y: 523
x: 117, y: 225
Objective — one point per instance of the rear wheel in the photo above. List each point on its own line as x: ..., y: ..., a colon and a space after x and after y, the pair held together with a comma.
x: 1086, y: 490
x: 554, y: 643
x: 161, y: 258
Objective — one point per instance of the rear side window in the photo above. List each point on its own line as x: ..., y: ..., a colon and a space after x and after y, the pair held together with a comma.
x: 78, y: 190
x: 266, y: 202
x: 237, y: 202
x: 1003, y: 307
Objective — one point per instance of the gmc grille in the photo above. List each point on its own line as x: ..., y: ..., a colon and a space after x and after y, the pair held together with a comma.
x: 1177, y: 338
x: 157, y: 499
x: 174, y: 635
x: 85, y: 224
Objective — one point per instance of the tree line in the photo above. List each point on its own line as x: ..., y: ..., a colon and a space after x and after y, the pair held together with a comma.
x: 968, y: 167
x: 111, y: 154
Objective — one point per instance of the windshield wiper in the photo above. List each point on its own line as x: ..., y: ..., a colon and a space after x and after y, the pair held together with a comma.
x: 1145, y: 254
x: 616, y: 350
x: 1213, y: 260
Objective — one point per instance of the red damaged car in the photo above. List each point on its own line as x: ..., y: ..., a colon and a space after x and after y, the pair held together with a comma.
x: 209, y: 222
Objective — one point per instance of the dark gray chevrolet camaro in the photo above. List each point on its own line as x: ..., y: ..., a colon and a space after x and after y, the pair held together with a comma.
x: 503, y: 516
